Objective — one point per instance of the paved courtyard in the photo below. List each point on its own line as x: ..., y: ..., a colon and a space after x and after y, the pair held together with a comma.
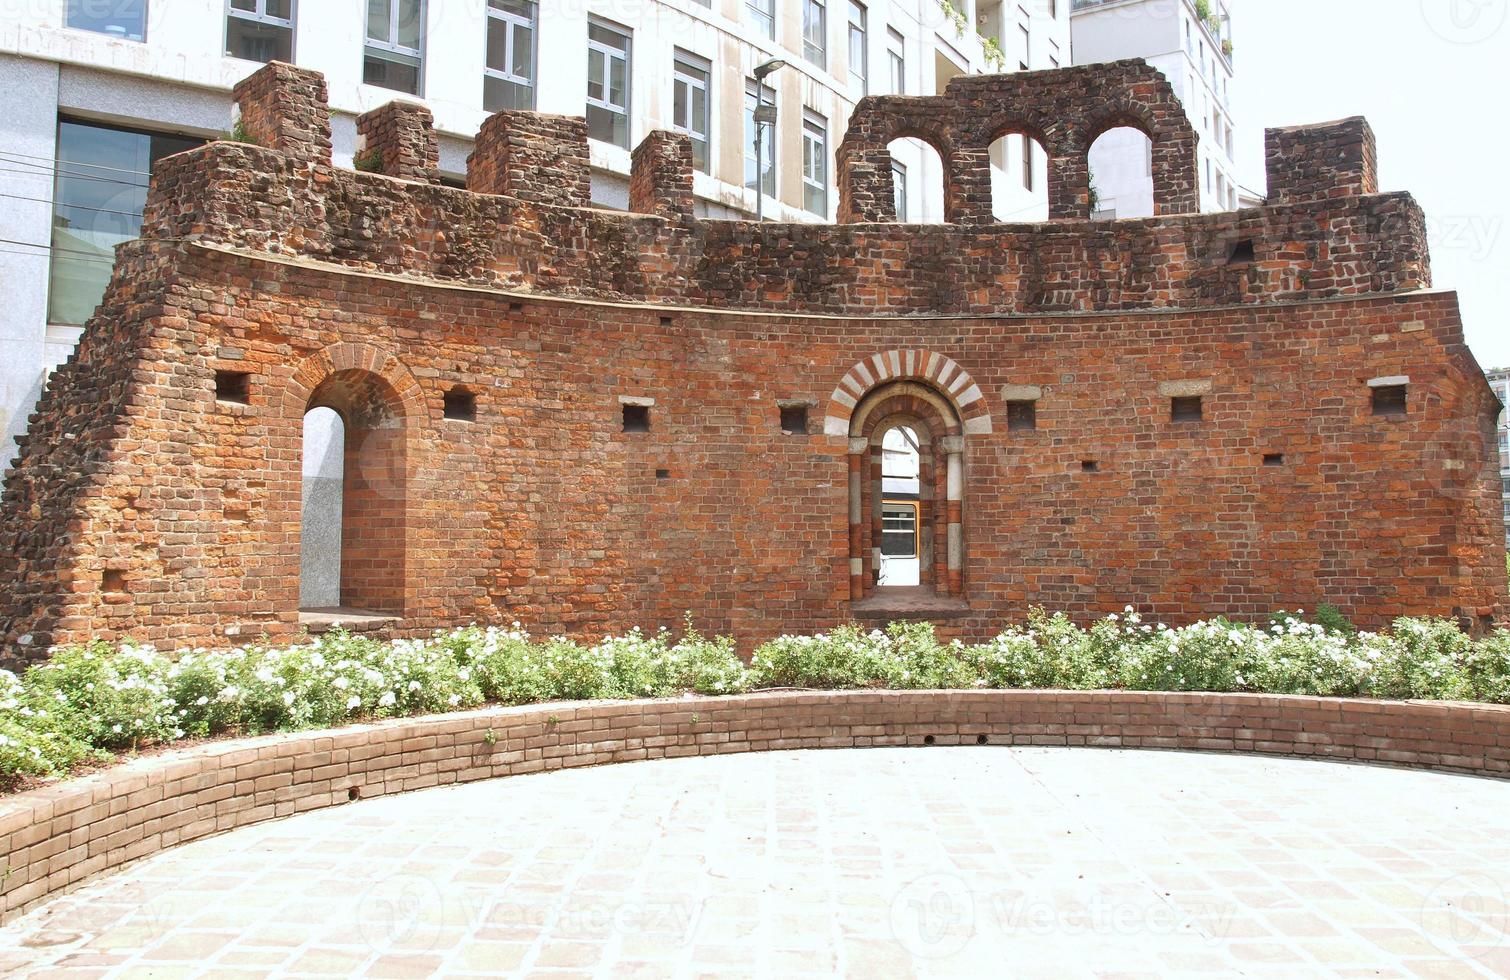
x: 896, y: 862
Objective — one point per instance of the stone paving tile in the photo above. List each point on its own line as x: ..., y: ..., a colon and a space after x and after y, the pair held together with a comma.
x: 882, y: 863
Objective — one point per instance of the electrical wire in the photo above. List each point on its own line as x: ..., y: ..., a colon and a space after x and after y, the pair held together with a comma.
x: 52, y: 163
x: 74, y: 207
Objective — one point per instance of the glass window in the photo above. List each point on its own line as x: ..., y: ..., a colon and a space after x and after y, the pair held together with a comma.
x: 814, y: 162
x: 815, y: 32
x: 101, y: 189
x: 761, y: 14
x: 899, y: 189
x: 756, y: 94
x: 508, y: 79
x: 1025, y: 47
x: 607, y: 83
x: 1027, y: 162
x: 689, y: 98
x: 899, y: 530
x: 896, y: 55
x: 260, y: 30
x: 859, y: 54
x: 126, y: 19
x: 395, y: 33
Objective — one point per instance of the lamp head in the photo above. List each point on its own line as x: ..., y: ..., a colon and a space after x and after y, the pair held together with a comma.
x: 761, y: 71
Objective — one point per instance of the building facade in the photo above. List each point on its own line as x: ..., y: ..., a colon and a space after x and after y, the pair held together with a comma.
x: 1190, y: 41
x: 1499, y: 380
x: 100, y: 90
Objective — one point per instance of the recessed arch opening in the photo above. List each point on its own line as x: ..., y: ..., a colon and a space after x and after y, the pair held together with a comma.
x: 1121, y: 164
x: 906, y: 494
x: 918, y: 181
x: 1019, y: 177
x: 353, y: 524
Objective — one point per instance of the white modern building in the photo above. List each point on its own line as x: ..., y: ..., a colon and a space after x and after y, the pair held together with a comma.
x: 97, y: 90
x: 1499, y: 380
x: 1190, y: 41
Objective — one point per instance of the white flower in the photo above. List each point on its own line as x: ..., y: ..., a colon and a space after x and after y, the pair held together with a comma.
x: 288, y: 698
x: 387, y: 700
x: 353, y: 702
x: 342, y: 683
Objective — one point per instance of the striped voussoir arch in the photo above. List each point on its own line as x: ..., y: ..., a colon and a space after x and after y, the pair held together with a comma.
x: 929, y: 367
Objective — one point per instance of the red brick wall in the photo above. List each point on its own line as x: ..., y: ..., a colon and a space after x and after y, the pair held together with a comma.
x: 140, y: 506
x: 54, y: 839
x: 543, y: 510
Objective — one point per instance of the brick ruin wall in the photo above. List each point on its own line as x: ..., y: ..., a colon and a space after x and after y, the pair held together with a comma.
x: 144, y: 506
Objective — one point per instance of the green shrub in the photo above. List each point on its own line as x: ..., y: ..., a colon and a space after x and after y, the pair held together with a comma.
x: 96, y: 698
x: 1487, y: 667
x: 1421, y: 658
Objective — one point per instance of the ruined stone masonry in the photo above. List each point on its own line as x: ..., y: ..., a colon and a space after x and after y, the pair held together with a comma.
x: 586, y: 420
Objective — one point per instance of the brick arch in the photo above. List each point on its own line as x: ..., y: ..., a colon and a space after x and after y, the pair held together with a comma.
x: 1054, y: 105
x: 924, y: 386
x: 866, y: 188
x: 319, y: 367
x: 381, y: 406
x: 1175, y: 170
x: 932, y: 369
x: 1051, y: 135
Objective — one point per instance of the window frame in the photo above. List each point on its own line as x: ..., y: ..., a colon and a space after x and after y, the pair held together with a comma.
x: 751, y: 102
x: 146, y: 19
x: 261, y: 16
x: 762, y: 13
x: 681, y: 60
x: 98, y: 173
x: 812, y: 120
x: 812, y: 46
x: 512, y: 21
x: 896, y: 60
x: 625, y: 54
x: 391, y: 47
x: 860, y: 29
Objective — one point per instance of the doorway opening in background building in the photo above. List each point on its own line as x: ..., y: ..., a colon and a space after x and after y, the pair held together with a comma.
x: 901, y: 492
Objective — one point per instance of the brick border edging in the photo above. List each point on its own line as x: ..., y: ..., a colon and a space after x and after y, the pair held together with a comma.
x: 56, y: 837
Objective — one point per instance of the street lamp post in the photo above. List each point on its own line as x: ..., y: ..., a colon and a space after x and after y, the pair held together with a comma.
x: 762, y: 119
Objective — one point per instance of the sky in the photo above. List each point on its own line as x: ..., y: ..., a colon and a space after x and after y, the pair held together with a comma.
x: 1432, y: 77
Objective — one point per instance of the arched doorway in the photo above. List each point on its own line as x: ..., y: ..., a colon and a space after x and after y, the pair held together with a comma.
x: 907, y: 460
x: 354, y: 523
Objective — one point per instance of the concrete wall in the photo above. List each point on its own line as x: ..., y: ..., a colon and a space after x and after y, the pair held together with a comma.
x: 28, y: 134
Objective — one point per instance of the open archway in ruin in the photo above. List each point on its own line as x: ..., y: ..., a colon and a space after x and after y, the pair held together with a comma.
x: 925, y: 477
x: 354, y: 526
x: 1020, y: 174
x: 917, y: 181
x: 1121, y: 174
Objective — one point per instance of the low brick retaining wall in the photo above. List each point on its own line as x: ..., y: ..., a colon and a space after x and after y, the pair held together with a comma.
x: 54, y: 838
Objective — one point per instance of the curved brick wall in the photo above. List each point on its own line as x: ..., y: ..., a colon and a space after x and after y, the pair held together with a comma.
x: 56, y: 837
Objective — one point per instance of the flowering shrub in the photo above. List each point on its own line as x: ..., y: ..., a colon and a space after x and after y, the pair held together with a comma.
x: 906, y: 656
x: 94, y: 699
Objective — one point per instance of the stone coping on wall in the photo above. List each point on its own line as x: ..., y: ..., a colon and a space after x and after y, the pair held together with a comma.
x: 695, y: 305
x: 58, y: 836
